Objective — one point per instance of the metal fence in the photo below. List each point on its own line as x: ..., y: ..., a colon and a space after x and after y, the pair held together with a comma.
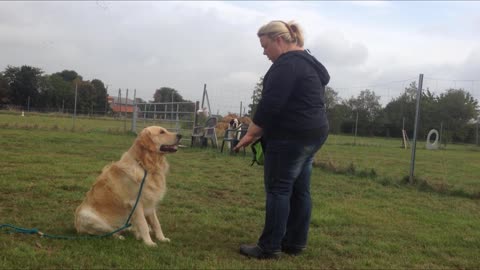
x: 175, y: 116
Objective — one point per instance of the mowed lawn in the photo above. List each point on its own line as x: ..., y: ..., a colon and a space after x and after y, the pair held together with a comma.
x: 215, y: 202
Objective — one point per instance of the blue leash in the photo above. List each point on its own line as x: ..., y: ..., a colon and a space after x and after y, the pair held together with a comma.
x: 36, y: 231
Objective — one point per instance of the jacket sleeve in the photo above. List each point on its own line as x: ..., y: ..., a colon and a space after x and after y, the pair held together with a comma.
x: 277, y: 89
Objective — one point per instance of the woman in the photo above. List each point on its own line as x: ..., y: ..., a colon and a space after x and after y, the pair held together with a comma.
x: 292, y: 122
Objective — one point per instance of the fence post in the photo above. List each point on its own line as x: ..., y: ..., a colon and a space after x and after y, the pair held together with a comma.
x: 134, y: 113
x: 356, y: 127
x: 126, y: 112
x: 177, y: 126
x: 441, y: 133
x: 75, y: 107
x: 417, y: 115
x: 240, y: 115
x: 195, y: 118
x: 119, y: 100
x: 478, y: 120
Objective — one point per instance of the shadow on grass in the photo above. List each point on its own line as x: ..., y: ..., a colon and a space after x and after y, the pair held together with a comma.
x: 443, y: 189
x: 422, y: 185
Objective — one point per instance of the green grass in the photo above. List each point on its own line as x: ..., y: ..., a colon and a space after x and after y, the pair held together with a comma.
x: 81, y: 123
x: 453, y: 168
x: 215, y: 202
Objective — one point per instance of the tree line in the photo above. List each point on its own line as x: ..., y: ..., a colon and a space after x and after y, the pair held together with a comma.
x: 29, y: 87
x: 455, y: 111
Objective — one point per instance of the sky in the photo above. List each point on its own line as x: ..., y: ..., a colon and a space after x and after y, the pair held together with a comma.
x: 382, y: 46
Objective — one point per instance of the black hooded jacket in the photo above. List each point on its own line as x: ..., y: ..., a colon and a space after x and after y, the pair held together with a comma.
x: 293, y: 98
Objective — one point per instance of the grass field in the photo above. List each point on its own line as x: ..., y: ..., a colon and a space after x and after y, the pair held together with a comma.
x: 81, y: 123
x: 364, y: 215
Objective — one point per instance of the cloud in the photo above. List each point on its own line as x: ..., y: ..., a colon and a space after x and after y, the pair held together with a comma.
x: 370, y: 4
x: 334, y: 49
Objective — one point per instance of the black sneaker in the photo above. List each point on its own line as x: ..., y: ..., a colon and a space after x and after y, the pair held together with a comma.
x: 254, y: 251
x: 292, y: 250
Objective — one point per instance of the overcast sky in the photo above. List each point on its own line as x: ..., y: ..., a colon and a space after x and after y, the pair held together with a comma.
x: 382, y: 46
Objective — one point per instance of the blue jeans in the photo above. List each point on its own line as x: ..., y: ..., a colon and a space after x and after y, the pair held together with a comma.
x: 287, y: 171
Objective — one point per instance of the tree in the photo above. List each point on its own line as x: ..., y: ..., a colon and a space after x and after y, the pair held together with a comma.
x: 401, y: 110
x: 46, y: 95
x: 337, y: 118
x: 336, y: 112
x: 455, y: 108
x: 139, y: 100
x: 62, y: 92
x: 100, y: 99
x: 169, y: 95
x: 85, y: 97
x: 69, y: 75
x: 368, y: 107
x: 331, y: 98
x: 4, y: 90
x: 23, y: 83
x: 256, y: 96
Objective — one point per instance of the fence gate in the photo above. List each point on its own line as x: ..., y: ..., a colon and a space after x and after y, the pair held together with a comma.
x: 175, y: 116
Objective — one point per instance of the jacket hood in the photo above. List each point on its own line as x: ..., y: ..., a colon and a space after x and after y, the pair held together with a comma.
x: 321, y: 70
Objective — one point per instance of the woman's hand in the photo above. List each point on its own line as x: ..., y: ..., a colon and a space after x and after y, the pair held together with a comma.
x: 254, y: 132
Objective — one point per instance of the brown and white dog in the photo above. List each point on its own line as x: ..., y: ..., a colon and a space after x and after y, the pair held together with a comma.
x: 110, y: 200
x: 234, y: 135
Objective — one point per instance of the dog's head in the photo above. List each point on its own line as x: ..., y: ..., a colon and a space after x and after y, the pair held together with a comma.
x: 233, y: 123
x: 158, y: 139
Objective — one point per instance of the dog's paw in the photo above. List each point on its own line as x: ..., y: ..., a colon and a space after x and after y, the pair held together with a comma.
x: 137, y: 235
x: 151, y: 244
x: 164, y: 240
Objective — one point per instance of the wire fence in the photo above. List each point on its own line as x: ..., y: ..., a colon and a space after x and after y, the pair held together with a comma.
x: 371, y: 126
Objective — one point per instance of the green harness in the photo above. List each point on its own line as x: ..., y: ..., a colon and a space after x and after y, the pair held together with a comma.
x: 258, y: 152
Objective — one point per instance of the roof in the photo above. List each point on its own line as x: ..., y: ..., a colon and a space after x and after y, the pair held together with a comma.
x: 122, y: 108
x: 116, y: 100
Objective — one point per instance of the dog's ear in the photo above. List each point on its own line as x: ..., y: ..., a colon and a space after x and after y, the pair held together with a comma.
x: 146, y: 141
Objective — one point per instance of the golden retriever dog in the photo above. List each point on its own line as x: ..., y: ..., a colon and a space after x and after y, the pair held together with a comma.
x: 109, y: 202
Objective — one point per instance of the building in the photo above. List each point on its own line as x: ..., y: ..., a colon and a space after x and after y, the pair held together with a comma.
x: 121, y: 105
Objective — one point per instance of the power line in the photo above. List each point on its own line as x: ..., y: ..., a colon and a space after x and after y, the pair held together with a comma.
x: 376, y: 85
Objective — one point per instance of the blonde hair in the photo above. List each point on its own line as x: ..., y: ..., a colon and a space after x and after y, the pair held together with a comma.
x: 290, y: 32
